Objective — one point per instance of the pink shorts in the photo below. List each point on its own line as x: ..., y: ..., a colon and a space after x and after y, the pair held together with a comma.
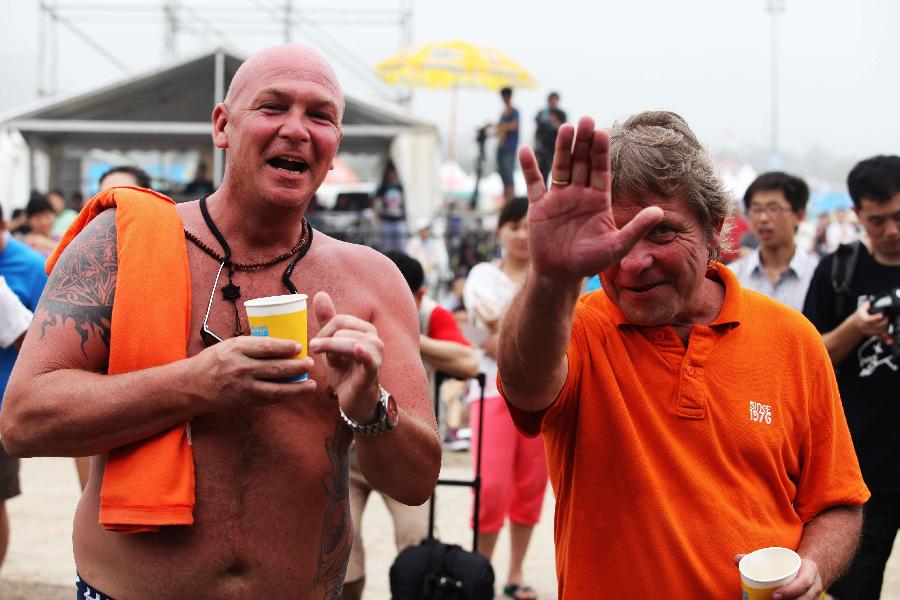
x: 513, y: 469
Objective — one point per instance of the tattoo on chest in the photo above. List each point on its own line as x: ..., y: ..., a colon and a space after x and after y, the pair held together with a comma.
x: 336, y: 539
x: 83, y: 284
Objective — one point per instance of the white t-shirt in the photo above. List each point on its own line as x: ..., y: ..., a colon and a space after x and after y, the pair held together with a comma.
x: 14, y: 317
x: 490, y: 287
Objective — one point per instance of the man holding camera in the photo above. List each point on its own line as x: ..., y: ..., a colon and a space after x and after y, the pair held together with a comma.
x: 864, y: 348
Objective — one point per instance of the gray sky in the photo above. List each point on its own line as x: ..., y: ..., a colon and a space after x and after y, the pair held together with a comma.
x: 706, y: 59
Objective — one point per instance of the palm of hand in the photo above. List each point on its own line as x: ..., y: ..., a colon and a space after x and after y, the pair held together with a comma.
x: 571, y: 229
x: 580, y: 216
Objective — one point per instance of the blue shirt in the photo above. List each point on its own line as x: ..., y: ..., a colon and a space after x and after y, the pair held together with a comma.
x: 23, y: 269
x: 510, y: 140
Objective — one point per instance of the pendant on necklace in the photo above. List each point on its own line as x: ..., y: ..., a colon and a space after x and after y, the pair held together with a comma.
x: 231, y: 292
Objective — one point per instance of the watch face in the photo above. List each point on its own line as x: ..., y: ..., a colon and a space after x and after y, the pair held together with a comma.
x: 393, y: 415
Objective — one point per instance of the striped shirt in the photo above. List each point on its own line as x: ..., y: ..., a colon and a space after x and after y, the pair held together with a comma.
x: 791, y: 285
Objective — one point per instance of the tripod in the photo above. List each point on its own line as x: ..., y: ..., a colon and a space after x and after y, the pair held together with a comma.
x: 480, y: 138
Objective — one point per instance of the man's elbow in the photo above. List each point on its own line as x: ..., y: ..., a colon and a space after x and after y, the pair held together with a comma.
x: 23, y: 423
x: 417, y: 490
x: 14, y: 443
x: 469, y: 367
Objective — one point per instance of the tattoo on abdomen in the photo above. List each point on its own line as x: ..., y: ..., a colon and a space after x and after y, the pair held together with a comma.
x: 335, y: 545
x: 83, y: 283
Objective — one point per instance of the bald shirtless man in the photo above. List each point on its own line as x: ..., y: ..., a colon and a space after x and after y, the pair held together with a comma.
x: 271, y: 518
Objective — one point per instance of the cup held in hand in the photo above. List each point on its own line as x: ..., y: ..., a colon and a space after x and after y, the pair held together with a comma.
x: 280, y: 317
x: 767, y: 569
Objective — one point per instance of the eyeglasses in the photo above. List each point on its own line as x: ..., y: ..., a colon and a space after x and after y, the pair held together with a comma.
x: 773, y: 210
x: 208, y: 337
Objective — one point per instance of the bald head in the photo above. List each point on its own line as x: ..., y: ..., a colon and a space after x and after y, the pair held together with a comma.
x: 295, y: 60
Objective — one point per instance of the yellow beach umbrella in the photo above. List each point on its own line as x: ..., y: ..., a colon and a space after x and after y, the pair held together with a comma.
x: 453, y: 64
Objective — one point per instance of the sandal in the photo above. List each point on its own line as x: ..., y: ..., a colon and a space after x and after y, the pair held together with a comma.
x: 519, y: 592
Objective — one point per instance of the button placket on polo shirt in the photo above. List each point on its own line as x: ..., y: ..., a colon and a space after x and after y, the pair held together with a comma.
x: 691, y: 399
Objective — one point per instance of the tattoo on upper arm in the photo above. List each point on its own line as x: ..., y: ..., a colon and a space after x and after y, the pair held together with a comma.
x: 82, y: 285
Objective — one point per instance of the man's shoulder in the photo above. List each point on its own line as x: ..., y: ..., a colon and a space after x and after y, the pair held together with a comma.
x: 778, y: 318
x: 595, y: 306
x: 345, y: 259
x: 341, y: 250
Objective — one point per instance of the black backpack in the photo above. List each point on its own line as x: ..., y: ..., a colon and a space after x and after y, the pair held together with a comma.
x: 433, y: 570
x: 842, y: 269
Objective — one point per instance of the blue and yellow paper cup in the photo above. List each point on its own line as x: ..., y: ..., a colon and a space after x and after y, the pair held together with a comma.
x: 767, y: 569
x: 280, y: 317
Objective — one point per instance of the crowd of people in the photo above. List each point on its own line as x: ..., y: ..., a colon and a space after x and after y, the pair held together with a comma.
x: 685, y: 412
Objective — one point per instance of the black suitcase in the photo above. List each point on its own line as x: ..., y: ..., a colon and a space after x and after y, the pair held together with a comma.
x: 433, y: 570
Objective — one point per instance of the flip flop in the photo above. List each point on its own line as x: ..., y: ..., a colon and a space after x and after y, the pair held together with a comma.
x: 519, y: 592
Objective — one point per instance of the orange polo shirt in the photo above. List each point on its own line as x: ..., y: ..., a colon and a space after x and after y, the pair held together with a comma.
x: 667, y: 461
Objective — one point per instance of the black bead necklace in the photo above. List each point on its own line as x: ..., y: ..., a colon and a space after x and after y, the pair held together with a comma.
x: 232, y: 292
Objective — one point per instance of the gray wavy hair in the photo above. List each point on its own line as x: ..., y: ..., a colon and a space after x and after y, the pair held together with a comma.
x: 655, y: 152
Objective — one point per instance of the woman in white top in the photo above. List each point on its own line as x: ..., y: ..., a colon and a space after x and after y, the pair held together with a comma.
x: 513, y: 467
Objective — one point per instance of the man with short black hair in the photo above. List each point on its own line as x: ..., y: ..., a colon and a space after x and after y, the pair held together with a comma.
x: 124, y: 175
x: 776, y: 205
x: 866, y: 360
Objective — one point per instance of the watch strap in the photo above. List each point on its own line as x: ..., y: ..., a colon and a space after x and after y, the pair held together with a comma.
x: 381, y: 424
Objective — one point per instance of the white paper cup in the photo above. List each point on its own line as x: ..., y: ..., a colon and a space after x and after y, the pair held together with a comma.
x: 767, y: 569
x: 280, y: 317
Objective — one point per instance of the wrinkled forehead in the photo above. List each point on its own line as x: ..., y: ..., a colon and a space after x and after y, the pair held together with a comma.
x: 284, y: 65
x: 626, y: 206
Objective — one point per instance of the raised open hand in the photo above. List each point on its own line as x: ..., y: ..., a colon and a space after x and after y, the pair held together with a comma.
x: 571, y: 230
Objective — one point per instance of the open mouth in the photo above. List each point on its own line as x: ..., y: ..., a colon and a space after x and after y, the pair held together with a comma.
x: 288, y: 165
x: 644, y: 288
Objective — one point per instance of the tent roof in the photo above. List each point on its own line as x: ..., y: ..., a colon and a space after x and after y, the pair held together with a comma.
x: 174, y: 99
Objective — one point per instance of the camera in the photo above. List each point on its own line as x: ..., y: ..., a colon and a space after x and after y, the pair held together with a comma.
x: 888, y: 304
x: 482, y: 134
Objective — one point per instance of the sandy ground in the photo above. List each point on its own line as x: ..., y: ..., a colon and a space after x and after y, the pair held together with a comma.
x: 39, y: 564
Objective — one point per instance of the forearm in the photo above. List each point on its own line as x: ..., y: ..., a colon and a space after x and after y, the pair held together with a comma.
x: 69, y: 412
x: 405, y: 462
x: 534, y: 335
x: 450, y: 357
x: 841, y: 340
x: 830, y: 540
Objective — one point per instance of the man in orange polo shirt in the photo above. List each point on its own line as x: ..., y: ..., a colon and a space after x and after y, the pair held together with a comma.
x: 686, y: 420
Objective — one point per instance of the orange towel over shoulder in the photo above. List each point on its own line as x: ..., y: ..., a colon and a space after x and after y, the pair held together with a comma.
x: 149, y: 483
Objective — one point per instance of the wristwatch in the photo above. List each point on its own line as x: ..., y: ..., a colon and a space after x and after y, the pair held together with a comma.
x: 386, y: 416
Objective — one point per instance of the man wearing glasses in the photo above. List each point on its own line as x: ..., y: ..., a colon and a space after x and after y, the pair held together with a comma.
x: 776, y: 205
x: 267, y: 434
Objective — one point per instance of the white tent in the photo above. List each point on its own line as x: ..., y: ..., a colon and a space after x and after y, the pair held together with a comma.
x: 15, y: 169
x: 169, y: 109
